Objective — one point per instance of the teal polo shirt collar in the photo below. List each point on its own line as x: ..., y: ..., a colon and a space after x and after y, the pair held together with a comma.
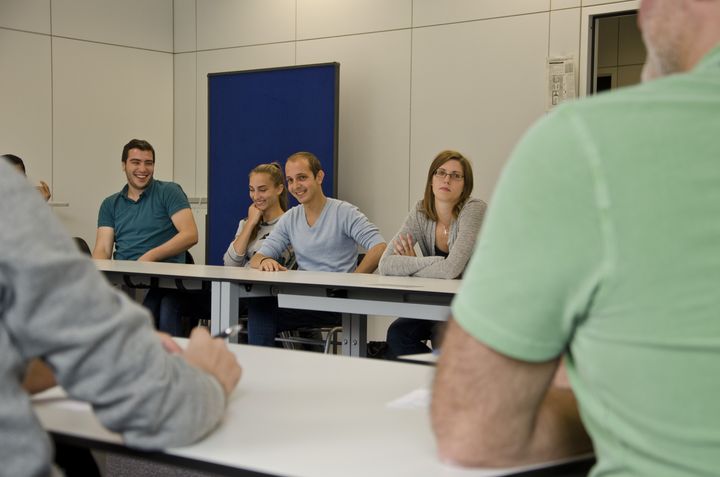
x: 147, y: 191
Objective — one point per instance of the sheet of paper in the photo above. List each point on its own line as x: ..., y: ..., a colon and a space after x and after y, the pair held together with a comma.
x: 416, y: 399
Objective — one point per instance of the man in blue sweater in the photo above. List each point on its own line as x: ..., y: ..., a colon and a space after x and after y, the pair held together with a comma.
x: 324, y: 234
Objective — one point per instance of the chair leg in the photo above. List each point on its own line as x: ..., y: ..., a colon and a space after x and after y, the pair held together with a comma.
x: 332, y: 338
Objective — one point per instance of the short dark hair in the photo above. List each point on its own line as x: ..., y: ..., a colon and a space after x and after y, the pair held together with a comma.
x: 312, y: 161
x: 15, y: 161
x: 137, y: 144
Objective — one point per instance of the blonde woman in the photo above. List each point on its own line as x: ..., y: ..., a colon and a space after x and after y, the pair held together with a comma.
x: 269, y: 203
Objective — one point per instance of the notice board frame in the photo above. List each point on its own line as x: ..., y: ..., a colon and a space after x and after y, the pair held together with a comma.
x: 260, y: 116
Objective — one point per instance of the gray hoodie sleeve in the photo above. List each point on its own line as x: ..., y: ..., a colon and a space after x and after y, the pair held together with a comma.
x: 54, y: 304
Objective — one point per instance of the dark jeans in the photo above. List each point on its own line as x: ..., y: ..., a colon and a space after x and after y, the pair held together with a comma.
x: 406, y: 336
x: 168, y: 308
x: 266, y: 320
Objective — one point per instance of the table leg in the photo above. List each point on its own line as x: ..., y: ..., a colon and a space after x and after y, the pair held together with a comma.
x: 354, y: 335
x: 224, y: 306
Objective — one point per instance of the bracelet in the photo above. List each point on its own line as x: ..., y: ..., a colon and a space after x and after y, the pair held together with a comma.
x: 263, y: 259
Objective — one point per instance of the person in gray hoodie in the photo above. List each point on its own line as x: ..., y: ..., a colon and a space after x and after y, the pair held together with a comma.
x: 57, y: 308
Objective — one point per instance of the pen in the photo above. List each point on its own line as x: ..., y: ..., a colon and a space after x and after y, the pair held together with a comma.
x: 228, y: 332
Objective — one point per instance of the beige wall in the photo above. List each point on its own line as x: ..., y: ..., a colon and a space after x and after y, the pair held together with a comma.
x: 80, y: 77
x: 72, y: 98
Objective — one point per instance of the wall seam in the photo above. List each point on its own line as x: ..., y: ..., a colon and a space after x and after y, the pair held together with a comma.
x: 172, y: 19
x: 195, y: 111
x: 52, y: 104
x: 410, y: 103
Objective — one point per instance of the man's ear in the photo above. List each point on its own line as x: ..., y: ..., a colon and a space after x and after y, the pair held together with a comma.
x: 320, y: 176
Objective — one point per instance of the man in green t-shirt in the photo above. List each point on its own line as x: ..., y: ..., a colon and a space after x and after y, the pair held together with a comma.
x: 602, y: 246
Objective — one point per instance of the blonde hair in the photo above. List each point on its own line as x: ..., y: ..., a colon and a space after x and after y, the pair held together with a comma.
x: 274, y: 170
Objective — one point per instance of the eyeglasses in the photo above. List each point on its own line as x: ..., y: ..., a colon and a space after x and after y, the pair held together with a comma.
x: 442, y: 174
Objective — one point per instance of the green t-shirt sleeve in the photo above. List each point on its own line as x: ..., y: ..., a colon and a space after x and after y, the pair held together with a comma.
x: 541, y: 251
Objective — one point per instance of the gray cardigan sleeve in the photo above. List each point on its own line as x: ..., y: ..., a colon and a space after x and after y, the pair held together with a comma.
x: 466, y: 231
x: 54, y: 304
x: 231, y: 258
x: 402, y: 266
x: 462, y: 242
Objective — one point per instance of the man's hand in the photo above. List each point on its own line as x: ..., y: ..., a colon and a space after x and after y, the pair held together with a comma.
x: 169, y: 343
x: 44, y: 190
x: 271, y: 265
x: 38, y: 377
x: 212, y: 356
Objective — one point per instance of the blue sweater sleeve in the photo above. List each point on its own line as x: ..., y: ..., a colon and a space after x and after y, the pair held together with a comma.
x: 356, y: 224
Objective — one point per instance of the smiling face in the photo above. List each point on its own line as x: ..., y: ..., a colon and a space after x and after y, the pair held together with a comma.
x: 302, y: 184
x: 139, y: 168
x: 448, y: 189
x: 263, y: 191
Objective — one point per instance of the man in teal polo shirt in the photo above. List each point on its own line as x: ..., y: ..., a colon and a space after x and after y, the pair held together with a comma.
x: 602, y: 246
x: 148, y: 220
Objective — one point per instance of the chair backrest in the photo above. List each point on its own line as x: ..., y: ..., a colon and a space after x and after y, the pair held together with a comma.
x: 82, y: 245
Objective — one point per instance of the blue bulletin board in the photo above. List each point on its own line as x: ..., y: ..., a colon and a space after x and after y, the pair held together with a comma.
x: 261, y: 116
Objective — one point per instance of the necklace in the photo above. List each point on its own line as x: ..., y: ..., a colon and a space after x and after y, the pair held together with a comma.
x: 445, y: 230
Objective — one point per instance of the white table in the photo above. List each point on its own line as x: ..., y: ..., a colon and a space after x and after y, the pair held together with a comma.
x: 301, y: 414
x: 355, y: 295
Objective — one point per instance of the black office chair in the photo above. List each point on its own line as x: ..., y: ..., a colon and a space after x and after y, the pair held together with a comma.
x: 315, y: 338
x: 195, y: 304
x: 82, y: 245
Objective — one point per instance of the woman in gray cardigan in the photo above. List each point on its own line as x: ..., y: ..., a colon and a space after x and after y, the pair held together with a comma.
x: 435, y: 241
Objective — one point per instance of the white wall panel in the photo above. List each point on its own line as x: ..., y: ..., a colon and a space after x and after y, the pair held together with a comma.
x: 473, y: 98
x: 559, y: 4
x: 374, y: 119
x: 565, y: 33
x: 433, y: 12
x: 230, y: 23
x: 104, y: 96
x: 323, y: 18
x: 185, y: 127
x: 25, y: 96
x: 29, y: 15
x: 235, y: 59
x: 137, y: 23
x: 587, y: 3
x: 185, y: 30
